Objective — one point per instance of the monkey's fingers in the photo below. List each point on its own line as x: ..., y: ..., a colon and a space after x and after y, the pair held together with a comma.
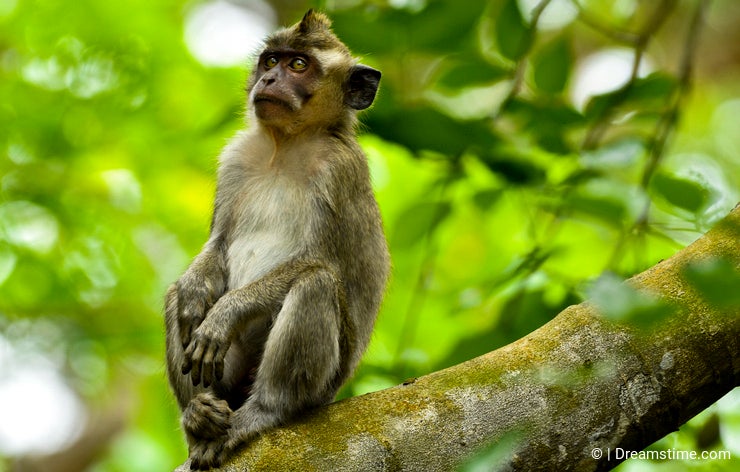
x: 207, y: 373
x: 187, y: 360
x: 218, y: 364
x: 192, y: 362
x: 213, y: 363
x: 191, y: 316
x: 186, y: 330
x: 187, y: 366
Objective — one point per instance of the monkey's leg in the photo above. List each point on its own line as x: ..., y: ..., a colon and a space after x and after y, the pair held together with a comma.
x: 301, y: 359
x: 181, y: 385
x: 204, y: 358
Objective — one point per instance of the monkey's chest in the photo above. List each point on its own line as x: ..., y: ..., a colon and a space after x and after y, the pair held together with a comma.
x: 272, y: 222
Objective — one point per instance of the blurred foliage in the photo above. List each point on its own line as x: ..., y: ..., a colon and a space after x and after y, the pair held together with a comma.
x: 504, y: 198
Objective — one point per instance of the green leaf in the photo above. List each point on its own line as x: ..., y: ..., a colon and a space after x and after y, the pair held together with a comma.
x: 485, y: 199
x: 653, y: 90
x: 497, y: 455
x: 599, y: 104
x: 549, y: 121
x: 439, y: 26
x: 472, y: 72
x: 424, y: 29
x: 552, y: 66
x: 425, y: 128
x: 718, y: 280
x: 656, y: 87
x: 514, y: 167
x: 679, y: 192
x: 620, y: 154
x: 513, y: 35
x: 608, y: 210
x: 620, y: 302
x: 419, y: 220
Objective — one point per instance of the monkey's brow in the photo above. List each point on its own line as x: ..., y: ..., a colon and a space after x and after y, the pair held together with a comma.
x: 284, y: 52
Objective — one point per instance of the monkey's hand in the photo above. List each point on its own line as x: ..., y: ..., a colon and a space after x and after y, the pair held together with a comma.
x: 204, y: 356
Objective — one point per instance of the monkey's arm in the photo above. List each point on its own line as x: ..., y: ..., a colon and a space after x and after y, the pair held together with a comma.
x: 204, y: 356
x: 190, y: 298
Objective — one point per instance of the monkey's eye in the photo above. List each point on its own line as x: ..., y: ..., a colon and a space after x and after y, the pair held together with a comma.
x: 271, y: 61
x: 298, y: 63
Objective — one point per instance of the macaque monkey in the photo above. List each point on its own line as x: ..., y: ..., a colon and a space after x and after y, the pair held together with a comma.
x: 273, y: 315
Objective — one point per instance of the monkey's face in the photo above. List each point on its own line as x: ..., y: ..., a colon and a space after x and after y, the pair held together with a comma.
x: 285, y: 82
x: 306, y: 79
x: 283, y: 85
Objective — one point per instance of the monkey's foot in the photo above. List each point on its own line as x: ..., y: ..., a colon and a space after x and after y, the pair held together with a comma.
x: 238, y: 439
x: 206, y: 417
x: 205, y: 455
x: 248, y: 422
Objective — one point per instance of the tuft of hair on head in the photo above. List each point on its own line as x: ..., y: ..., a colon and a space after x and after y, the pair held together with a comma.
x: 313, y: 22
x: 312, y: 32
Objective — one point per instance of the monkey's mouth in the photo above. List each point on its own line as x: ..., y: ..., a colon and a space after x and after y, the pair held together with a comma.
x: 263, y: 98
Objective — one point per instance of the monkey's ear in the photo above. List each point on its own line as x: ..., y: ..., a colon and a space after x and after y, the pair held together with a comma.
x: 363, y: 83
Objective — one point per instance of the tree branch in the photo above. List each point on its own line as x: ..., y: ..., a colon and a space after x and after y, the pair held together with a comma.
x: 576, y: 384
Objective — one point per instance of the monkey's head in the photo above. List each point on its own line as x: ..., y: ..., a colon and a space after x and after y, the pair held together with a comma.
x: 306, y: 78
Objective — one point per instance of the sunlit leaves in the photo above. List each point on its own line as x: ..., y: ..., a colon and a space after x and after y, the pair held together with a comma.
x: 28, y: 226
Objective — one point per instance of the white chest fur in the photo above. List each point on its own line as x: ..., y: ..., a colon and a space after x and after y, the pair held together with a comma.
x: 271, y: 227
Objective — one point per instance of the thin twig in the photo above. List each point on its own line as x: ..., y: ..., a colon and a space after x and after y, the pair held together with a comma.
x: 419, y: 294
x: 521, y: 64
x: 640, y: 44
x: 628, y: 38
